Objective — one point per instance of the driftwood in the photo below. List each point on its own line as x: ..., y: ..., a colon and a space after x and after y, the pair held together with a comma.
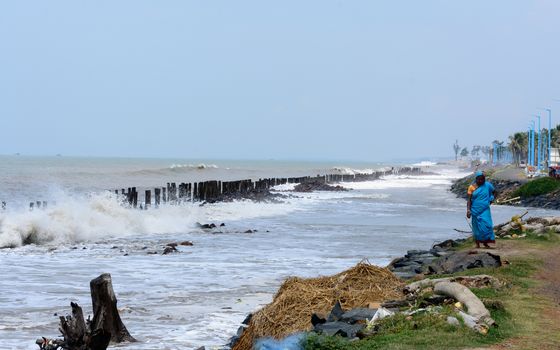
x: 477, y: 316
x: 96, y: 334
x: 475, y: 307
x: 477, y: 281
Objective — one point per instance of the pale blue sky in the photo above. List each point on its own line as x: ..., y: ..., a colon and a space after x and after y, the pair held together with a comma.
x: 356, y: 80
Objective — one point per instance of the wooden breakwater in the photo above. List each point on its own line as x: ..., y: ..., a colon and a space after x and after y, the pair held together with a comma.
x: 215, y: 190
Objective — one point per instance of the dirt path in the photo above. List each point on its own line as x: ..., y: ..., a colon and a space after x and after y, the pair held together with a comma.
x: 548, y: 278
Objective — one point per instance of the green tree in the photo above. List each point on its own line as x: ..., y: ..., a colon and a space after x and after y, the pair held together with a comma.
x: 518, y: 146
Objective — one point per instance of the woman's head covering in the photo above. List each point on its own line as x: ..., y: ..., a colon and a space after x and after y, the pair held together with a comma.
x: 478, y: 173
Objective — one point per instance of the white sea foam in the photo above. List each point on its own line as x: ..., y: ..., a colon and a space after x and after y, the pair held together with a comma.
x: 402, y: 181
x: 98, y: 216
x: 200, y: 166
x: 351, y: 171
x: 425, y: 163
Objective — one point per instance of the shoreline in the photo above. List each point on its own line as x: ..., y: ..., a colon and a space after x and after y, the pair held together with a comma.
x: 452, y: 257
x: 508, y: 184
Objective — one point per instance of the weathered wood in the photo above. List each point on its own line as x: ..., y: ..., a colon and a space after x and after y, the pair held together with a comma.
x: 134, y: 197
x: 157, y: 194
x: 147, y: 199
x: 105, y: 313
x: 105, y: 327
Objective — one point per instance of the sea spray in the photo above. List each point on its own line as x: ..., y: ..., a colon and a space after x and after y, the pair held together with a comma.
x: 101, y: 215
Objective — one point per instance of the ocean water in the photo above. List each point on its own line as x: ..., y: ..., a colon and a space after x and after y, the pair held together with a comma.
x: 200, y: 295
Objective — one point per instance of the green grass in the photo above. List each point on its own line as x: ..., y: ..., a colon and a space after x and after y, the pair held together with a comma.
x: 537, y: 187
x: 514, y: 306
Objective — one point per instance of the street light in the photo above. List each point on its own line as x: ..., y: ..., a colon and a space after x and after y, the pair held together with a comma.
x: 539, y: 145
x: 548, y: 161
x: 532, y: 144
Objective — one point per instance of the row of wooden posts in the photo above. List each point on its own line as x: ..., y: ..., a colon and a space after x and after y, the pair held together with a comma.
x: 215, y: 190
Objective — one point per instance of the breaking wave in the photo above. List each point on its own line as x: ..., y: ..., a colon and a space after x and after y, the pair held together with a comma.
x: 425, y: 163
x: 100, y: 216
x: 200, y: 166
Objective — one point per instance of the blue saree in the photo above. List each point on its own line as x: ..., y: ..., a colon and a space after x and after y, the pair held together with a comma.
x: 483, y: 228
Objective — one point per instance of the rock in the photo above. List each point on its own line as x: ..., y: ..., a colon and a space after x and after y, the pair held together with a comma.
x: 247, y: 319
x: 151, y: 253
x: 403, y: 262
x: 447, y: 244
x: 317, y: 185
x: 249, y: 231
x: 339, y: 328
x: 206, y: 226
x: 336, y: 313
x: 186, y: 243
x: 232, y: 342
x: 412, y: 253
x: 169, y: 250
x: 453, y: 321
x: 461, y: 261
x: 316, y: 319
x: 222, y: 224
x: 357, y: 315
x: 173, y: 245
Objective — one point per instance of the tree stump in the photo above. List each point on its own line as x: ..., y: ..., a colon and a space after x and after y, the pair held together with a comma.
x: 96, y: 334
x: 105, y: 313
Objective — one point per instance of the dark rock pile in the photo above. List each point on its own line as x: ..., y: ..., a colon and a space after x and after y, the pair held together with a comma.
x: 317, y: 185
x: 441, y: 259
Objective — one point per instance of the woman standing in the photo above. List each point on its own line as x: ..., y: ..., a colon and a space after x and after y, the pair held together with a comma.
x: 481, y: 195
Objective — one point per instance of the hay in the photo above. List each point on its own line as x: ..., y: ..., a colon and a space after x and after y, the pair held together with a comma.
x: 298, y: 298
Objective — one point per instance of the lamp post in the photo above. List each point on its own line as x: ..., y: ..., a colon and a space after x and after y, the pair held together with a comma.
x: 528, y: 163
x: 549, y: 158
x: 532, y: 142
x: 539, y: 158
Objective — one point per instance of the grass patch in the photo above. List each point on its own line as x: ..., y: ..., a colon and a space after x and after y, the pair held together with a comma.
x: 537, y: 187
x: 515, y: 307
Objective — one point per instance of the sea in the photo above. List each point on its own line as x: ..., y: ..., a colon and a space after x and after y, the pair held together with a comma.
x: 200, y: 295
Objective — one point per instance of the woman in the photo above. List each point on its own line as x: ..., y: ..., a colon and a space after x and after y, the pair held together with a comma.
x: 481, y: 195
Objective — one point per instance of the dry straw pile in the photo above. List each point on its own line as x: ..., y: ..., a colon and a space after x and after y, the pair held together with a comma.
x: 298, y: 298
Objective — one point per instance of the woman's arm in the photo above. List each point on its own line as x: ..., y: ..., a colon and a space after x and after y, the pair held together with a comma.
x: 469, y: 203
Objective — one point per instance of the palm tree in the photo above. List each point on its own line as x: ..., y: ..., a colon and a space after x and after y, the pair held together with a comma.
x: 518, y: 145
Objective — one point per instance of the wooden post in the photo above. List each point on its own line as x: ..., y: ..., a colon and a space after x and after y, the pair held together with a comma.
x: 157, y: 194
x: 3, y: 205
x: 134, y: 198
x: 173, y: 193
x: 38, y: 204
x: 164, y: 194
x: 31, y: 205
x: 147, y: 199
x: 44, y: 204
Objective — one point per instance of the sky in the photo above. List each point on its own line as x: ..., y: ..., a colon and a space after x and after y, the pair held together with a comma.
x: 317, y: 80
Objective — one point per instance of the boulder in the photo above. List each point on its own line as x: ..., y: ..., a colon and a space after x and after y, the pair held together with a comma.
x: 461, y: 261
x: 339, y: 328
x: 358, y: 315
x: 336, y: 313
